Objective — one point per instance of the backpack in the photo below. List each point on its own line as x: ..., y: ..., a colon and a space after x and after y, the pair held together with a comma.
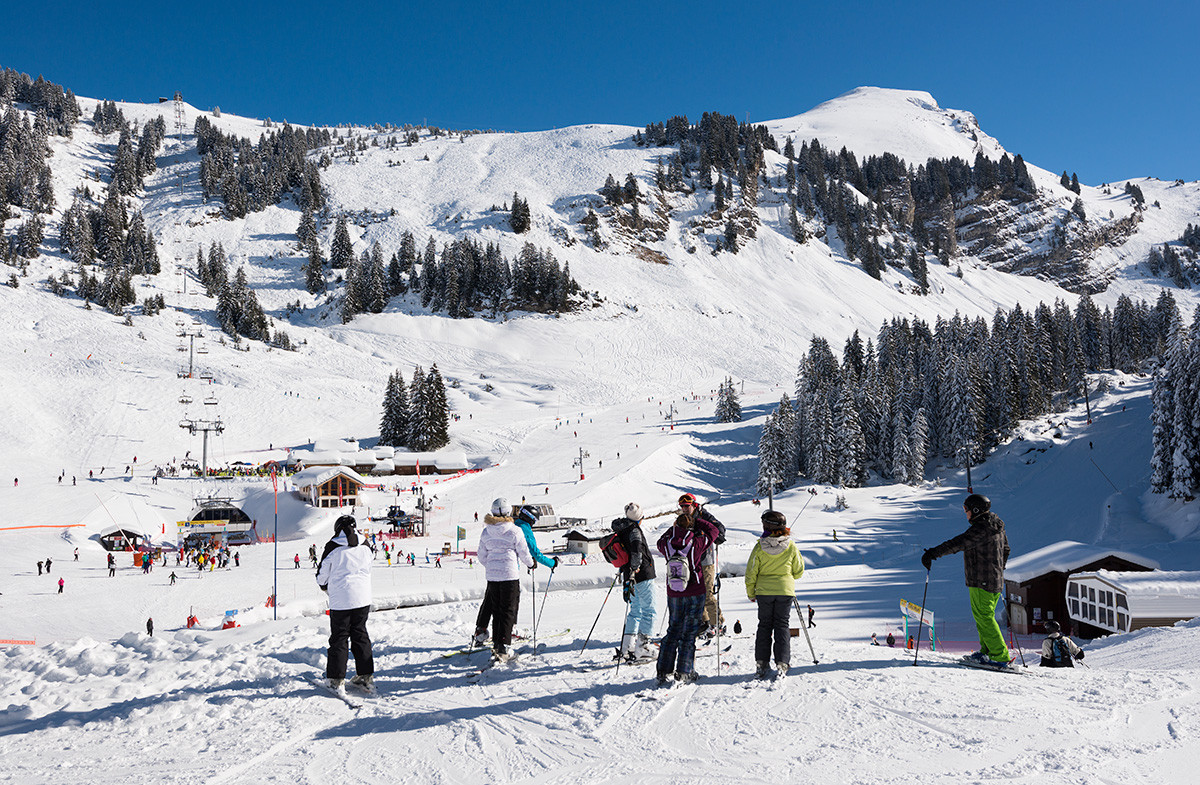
x: 1061, y: 654
x: 614, y: 551
x: 679, y: 570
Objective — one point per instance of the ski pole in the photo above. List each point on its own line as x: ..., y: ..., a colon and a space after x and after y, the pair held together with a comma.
x: 812, y: 494
x: 624, y: 624
x: 803, y: 626
x: 921, y: 621
x: 717, y: 597
x: 545, y: 591
x: 533, y: 606
x: 593, y: 629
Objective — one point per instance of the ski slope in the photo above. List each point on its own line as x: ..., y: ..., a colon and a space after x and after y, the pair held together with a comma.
x: 85, y: 394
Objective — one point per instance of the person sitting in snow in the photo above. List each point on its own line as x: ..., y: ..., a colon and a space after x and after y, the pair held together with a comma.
x: 1058, y: 650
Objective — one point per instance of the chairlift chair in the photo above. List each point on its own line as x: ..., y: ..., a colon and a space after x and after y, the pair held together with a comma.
x: 185, y: 399
x: 210, y: 400
x: 201, y: 350
x: 206, y: 376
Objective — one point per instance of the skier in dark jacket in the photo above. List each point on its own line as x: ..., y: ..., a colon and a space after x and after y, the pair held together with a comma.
x: 638, y: 581
x: 1059, y: 651
x: 985, y: 552
x: 713, y: 617
x: 683, y: 545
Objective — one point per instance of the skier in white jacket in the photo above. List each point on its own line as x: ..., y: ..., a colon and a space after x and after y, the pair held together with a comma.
x: 345, y: 574
x: 502, y: 551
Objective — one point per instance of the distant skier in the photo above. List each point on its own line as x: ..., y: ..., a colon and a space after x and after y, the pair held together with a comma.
x: 150, y: 626
x: 345, y: 574
x: 297, y: 561
x: 47, y: 565
x: 891, y: 639
x: 502, y: 550
x: 61, y: 583
x: 1058, y: 650
x: 112, y: 565
x: 39, y: 568
x: 811, y: 613
x: 638, y: 577
x: 172, y: 576
x: 985, y: 552
x: 771, y: 572
x: 76, y: 554
x: 874, y: 640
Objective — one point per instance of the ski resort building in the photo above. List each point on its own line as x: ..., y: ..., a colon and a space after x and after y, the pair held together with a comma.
x: 328, y: 486
x: 1036, y: 582
x: 1105, y: 602
x: 217, y: 520
x: 379, y: 461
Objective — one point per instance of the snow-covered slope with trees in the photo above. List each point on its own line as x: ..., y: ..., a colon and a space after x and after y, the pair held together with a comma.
x: 665, y: 320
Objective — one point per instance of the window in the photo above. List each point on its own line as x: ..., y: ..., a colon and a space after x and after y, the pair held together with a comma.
x: 1073, y: 589
x: 1122, y: 622
x: 1123, y: 601
x: 1074, y: 607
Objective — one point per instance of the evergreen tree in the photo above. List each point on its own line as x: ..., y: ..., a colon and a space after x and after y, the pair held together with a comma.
x: 520, y: 218
x: 314, y: 278
x: 729, y: 408
x: 341, y: 252
x: 849, y: 449
x: 394, y: 427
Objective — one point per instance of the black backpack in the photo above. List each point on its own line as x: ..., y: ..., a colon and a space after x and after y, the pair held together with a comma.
x: 1061, y: 654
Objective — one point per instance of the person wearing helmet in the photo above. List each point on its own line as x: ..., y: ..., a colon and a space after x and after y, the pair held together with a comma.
x: 345, y: 575
x: 1058, y: 650
x: 526, y: 517
x: 985, y: 550
x: 502, y: 551
x: 713, y: 618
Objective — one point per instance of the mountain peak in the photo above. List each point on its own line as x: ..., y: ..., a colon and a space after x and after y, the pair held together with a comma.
x: 907, y: 123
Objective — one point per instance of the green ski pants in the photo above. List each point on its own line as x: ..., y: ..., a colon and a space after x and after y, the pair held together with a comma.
x: 991, y: 639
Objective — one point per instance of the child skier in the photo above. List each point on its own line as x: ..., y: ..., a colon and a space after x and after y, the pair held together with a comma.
x: 638, y: 582
x: 683, y: 545
x: 502, y: 549
x: 1059, y: 651
x: 771, y: 573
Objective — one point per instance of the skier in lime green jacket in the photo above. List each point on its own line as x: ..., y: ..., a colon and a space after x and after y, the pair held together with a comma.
x: 771, y: 573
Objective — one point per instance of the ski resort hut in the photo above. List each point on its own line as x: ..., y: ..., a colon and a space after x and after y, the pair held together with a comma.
x: 585, y: 541
x: 332, y: 486
x: 1104, y: 602
x: 1036, y: 582
x: 117, y: 538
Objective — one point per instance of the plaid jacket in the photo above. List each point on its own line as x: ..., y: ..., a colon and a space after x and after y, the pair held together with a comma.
x: 985, y: 552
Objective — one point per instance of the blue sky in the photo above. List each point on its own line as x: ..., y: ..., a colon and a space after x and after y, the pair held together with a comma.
x: 1108, y: 90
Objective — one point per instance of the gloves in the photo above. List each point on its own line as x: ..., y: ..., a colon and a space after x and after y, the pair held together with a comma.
x: 927, y: 558
x: 628, y: 589
x: 555, y: 567
x: 1079, y: 656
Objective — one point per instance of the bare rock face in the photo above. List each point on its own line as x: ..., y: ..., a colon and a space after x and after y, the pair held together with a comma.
x: 1038, y: 237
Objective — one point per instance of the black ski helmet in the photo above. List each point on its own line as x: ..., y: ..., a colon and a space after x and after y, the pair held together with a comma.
x: 977, y: 503
x: 528, y: 514
x: 1052, y: 626
x: 344, y: 523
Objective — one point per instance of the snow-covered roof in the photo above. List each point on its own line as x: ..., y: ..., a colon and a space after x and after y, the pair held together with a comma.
x: 1065, y: 556
x: 1150, y: 595
x: 373, y: 459
x: 316, y: 475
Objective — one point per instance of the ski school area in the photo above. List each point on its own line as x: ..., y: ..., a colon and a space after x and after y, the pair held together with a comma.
x: 245, y: 704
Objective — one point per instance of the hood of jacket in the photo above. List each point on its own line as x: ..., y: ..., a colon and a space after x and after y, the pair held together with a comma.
x: 775, y: 545
x: 493, y: 520
x: 621, y: 524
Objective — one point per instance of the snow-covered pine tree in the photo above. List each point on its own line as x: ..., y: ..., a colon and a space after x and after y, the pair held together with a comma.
x: 919, y: 450
x: 438, y: 410
x: 314, y: 275
x: 849, y: 448
x: 341, y: 252
x: 418, y: 408
x: 729, y: 408
x: 394, y: 427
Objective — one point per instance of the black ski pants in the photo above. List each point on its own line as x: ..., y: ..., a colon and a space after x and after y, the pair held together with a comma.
x: 501, y: 601
x: 774, y: 613
x: 349, y: 626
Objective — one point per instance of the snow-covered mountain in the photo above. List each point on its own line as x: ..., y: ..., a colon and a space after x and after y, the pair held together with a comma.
x: 92, y: 403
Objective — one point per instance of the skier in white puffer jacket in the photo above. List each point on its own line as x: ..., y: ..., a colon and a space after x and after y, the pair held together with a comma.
x: 502, y: 551
x: 345, y: 574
